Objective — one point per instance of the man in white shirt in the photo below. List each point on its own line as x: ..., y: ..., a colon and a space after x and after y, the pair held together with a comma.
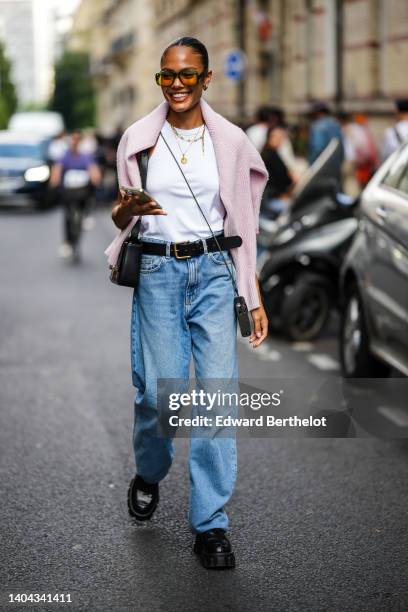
x: 397, y: 134
x: 257, y: 133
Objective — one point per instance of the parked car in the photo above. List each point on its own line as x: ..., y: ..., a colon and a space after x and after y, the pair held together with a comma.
x: 45, y: 123
x: 374, y: 277
x: 300, y: 254
x: 24, y: 169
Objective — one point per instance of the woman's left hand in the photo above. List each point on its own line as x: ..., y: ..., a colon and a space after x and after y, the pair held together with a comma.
x: 260, y: 326
x: 260, y: 321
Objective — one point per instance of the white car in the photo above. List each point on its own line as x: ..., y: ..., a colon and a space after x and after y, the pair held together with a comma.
x: 45, y: 123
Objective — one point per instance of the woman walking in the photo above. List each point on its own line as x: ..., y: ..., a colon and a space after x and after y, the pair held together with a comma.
x: 184, y: 303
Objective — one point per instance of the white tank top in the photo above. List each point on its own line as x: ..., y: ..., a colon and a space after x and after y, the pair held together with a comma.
x: 166, y: 184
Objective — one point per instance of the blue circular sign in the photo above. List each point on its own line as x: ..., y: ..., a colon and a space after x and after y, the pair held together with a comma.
x: 235, y: 64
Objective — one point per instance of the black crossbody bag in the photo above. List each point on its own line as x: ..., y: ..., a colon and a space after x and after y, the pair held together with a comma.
x: 240, y: 305
x: 126, y: 272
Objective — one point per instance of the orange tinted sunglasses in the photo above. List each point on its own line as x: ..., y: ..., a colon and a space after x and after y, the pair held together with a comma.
x: 188, y: 76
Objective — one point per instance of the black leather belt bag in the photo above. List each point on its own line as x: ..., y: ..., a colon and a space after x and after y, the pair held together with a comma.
x: 185, y: 250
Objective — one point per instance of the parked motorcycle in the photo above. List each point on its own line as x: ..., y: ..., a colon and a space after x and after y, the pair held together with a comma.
x: 300, y: 254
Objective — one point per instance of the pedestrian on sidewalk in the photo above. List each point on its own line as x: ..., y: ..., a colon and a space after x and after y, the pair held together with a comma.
x: 276, y: 197
x: 76, y: 207
x: 184, y: 302
x: 360, y: 153
x: 324, y: 127
x: 268, y: 118
x: 265, y: 117
x: 395, y: 135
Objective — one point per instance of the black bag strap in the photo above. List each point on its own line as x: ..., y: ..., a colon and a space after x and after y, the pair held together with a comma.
x: 142, y: 161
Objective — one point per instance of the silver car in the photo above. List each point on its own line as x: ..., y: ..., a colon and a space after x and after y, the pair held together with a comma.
x: 374, y: 277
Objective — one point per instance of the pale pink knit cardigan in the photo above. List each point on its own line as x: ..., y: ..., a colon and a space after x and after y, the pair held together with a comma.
x: 242, y: 176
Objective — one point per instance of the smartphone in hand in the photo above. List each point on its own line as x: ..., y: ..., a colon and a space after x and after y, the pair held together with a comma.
x: 141, y: 194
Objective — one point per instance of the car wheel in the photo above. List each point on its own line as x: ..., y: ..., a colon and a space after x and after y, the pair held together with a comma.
x: 356, y: 359
x: 305, y: 308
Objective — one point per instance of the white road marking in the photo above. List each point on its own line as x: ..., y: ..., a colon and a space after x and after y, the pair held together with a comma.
x: 273, y: 355
x: 301, y: 346
x: 395, y: 415
x: 263, y: 351
x: 266, y: 353
x: 323, y: 361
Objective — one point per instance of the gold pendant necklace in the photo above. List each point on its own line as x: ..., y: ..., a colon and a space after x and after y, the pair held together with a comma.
x: 184, y: 158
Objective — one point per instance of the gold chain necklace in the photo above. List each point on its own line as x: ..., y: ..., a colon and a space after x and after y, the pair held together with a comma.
x: 185, y: 137
x: 190, y: 140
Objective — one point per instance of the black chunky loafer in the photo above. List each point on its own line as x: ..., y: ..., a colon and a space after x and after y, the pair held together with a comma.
x: 214, y: 549
x: 143, y: 498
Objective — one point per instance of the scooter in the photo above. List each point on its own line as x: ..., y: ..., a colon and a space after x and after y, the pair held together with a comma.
x: 300, y: 253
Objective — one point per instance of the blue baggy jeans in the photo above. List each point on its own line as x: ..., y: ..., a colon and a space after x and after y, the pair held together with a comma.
x: 184, y: 307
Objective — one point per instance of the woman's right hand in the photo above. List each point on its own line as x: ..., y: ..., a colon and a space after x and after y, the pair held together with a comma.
x: 128, y: 206
x: 132, y: 205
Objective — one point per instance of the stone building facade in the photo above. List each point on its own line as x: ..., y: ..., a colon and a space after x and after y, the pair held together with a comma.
x: 119, y: 35
x: 351, y: 53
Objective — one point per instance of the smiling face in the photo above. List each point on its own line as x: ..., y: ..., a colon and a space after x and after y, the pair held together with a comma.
x: 181, y: 97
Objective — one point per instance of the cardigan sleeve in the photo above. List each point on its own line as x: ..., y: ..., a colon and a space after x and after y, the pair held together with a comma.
x: 258, y: 180
x: 112, y: 252
x: 121, y: 168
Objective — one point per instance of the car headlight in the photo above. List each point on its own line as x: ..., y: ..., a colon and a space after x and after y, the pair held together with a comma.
x: 40, y: 174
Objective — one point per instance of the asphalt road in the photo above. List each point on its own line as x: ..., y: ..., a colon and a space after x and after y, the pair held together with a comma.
x: 317, y: 524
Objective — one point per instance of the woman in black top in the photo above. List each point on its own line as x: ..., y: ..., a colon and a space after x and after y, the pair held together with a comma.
x: 280, y: 182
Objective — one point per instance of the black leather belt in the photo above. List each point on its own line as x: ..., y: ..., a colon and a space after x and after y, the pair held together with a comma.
x: 185, y: 250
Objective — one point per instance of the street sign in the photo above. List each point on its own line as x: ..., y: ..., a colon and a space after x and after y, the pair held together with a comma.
x: 235, y: 64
